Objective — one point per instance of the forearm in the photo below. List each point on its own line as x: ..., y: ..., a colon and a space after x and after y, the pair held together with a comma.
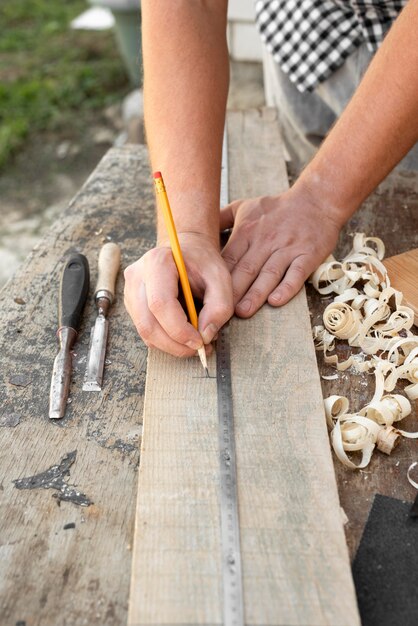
x: 378, y: 127
x: 185, y: 90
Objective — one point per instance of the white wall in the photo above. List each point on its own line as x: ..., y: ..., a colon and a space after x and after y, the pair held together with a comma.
x: 243, y: 38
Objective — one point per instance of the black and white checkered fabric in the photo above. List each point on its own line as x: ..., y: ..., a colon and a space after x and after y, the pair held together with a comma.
x: 310, y: 39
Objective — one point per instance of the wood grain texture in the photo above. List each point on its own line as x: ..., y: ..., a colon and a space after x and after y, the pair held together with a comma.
x: 403, y: 274
x: 295, y: 560
x: 391, y: 213
x: 51, y: 575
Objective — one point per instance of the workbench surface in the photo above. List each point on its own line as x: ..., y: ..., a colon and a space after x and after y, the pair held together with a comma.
x: 62, y: 563
x: 67, y: 564
x: 390, y: 213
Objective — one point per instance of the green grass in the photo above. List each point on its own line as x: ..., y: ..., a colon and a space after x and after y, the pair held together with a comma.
x: 49, y: 74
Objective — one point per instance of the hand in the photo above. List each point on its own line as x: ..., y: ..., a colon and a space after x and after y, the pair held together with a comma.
x: 276, y: 243
x: 152, y: 289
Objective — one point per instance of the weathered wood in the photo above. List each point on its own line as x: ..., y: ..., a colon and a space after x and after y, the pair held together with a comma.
x: 52, y: 576
x: 392, y: 214
x: 295, y: 560
x: 81, y: 575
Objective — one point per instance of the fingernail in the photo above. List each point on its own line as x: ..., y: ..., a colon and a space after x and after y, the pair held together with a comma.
x: 209, y: 333
x: 275, y: 298
x: 244, y: 306
x: 194, y: 344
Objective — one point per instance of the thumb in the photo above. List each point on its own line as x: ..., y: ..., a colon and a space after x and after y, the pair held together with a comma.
x: 218, y: 304
x: 227, y: 216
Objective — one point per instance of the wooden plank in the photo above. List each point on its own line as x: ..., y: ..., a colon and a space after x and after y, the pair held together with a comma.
x: 403, y: 274
x: 295, y: 560
x: 49, y: 575
x: 391, y: 213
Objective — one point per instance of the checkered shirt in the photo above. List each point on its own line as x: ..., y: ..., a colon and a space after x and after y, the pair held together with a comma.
x: 310, y: 39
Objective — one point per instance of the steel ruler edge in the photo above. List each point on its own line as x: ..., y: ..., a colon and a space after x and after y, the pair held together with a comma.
x: 233, y: 601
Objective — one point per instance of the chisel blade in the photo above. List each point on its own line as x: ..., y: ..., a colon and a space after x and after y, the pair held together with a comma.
x: 97, y: 352
x: 60, y: 384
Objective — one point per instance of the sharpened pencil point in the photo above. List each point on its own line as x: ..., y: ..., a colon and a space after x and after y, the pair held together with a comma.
x: 207, y: 372
x: 202, y: 355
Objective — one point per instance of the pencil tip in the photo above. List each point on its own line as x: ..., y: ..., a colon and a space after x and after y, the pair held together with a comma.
x: 207, y: 372
x: 202, y: 356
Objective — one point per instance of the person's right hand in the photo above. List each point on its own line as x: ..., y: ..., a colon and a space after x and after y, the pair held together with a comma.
x: 152, y: 289
x: 275, y: 245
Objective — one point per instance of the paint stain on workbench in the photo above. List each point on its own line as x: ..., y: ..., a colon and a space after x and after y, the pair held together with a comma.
x: 55, y: 478
x: 11, y: 420
x: 20, y: 380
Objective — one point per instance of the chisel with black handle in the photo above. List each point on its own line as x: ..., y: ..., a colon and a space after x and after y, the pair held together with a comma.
x: 74, y: 288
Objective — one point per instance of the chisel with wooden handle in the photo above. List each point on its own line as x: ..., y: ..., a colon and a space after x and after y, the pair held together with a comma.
x: 109, y: 263
x: 74, y: 288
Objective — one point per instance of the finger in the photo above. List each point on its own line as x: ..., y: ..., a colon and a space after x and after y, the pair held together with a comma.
x: 236, y: 247
x: 227, y: 215
x: 161, y: 285
x: 292, y: 282
x: 149, y: 329
x: 209, y: 348
x: 247, y: 269
x: 218, y: 305
x: 269, y: 277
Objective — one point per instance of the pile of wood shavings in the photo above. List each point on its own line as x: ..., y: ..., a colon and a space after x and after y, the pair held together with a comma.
x: 368, y: 313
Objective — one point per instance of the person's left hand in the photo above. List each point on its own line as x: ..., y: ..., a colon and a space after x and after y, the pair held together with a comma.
x: 275, y: 245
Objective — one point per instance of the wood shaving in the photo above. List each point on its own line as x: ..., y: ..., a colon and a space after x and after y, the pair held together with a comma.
x: 367, y: 313
x: 408, y: 474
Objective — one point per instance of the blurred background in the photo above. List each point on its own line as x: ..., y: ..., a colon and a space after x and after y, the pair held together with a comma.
x: 70, y: 88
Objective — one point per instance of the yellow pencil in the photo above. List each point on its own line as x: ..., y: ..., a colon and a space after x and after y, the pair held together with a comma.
x: 162, y: 198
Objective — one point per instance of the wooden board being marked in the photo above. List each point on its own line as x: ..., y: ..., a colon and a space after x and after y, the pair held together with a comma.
x: 295, y: 561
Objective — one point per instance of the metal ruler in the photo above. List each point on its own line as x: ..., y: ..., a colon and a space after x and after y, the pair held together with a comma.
x: 233, y: 602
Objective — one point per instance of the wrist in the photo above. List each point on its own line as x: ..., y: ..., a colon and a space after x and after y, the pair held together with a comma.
x: 327, y: 193
x: 194, y: 211
x: 189, y: 237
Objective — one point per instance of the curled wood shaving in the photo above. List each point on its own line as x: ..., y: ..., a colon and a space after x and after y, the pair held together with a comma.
x: 408, y: 474
x: 387, y: 439
x: 367, y: 313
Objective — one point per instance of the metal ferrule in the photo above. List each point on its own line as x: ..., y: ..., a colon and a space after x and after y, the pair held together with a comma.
x: 103, y: 293
x: 67, y: 337
x: 103, y: 306
x: 159, y: 185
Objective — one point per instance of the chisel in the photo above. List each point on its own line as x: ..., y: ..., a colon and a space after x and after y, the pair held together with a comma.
x: 109, y: 263
x: 74, y: 288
